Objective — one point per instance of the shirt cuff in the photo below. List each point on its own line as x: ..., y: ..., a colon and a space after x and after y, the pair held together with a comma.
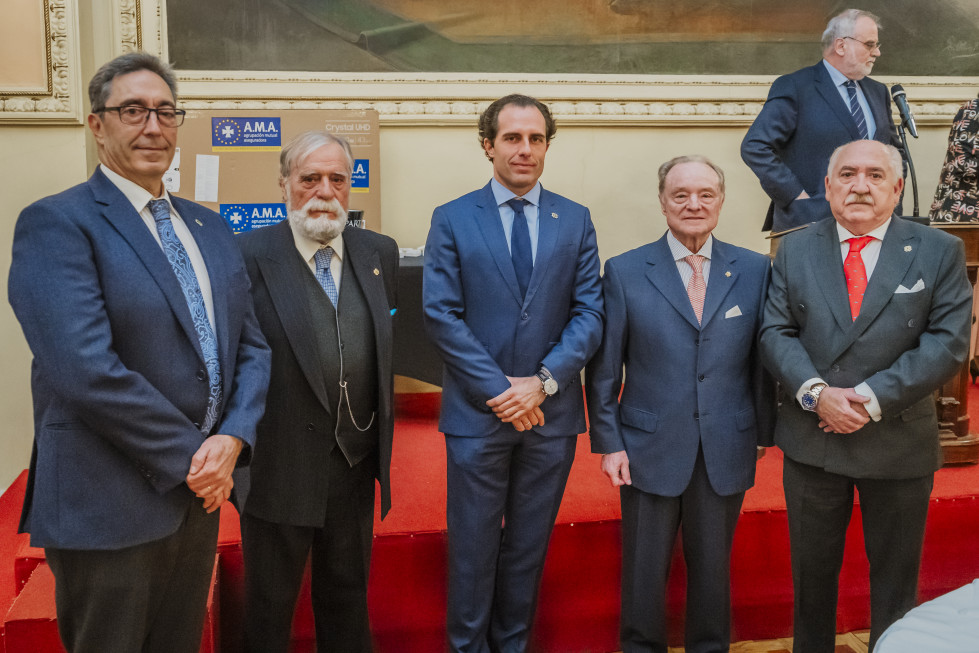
x: 804, y: 388
x: 872, y: 406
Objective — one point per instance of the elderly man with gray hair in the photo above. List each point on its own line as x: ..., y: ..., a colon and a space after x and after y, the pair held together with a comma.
x: 811, y: 112
x: 325, y: 296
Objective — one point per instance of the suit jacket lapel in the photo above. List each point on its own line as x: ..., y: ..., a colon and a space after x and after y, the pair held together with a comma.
x: 662, y: 273
x: 366, y: 265
x: 119, y: 212
x: 897, y: 251
x: 488, y: 219
x: 826, y: 88
x: 283, y: 271
x: 548, y: 228
x: 826, y: 262
x: 879, y: 109
x: 723, y: 276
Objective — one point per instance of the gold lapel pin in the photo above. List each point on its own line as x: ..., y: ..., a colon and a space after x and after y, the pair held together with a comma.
x: 554, y: 215
x: 376, y: 272
x: 199, y: 223
x: 727, y: 274
x: 907, y: 248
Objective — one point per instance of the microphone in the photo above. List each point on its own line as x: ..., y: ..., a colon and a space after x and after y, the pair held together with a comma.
x: 901, y: 100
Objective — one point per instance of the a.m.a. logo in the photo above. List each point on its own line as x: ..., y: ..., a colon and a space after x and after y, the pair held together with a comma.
x: 244, y: 217
x: 360, y: 178
x: 240, y: 134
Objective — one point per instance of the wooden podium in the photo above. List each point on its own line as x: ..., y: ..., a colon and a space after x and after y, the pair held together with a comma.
x: 958, y: 444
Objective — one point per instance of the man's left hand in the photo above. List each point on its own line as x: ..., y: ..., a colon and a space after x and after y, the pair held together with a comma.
x: 211, y: 467
x: 518, y: 403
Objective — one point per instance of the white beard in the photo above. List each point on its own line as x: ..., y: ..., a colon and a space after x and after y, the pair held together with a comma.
x: 324, y: 228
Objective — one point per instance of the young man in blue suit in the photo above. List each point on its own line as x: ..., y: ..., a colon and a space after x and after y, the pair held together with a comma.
x: 810, y: 113
x: 512, y: 300
x: 149, y: 378
x: 682, y: 316
x: 867, y: 316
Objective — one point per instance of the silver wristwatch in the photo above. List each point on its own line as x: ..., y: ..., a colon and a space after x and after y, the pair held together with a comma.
x: 548, y: 384
x: 811, y: 396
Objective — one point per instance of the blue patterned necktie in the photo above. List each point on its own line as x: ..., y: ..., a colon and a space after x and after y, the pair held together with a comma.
x: 523, y: 259
x: 182, y: 267
x: 323, y: 257
x: 855, y: 110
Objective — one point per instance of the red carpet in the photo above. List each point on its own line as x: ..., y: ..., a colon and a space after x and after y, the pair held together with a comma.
x: 579, y: 601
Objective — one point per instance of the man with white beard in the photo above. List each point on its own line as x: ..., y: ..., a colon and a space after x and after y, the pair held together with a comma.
x: 325, y: 299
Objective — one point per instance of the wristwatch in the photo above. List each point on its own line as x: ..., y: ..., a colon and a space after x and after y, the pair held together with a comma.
x: 548, y: 384
x: 811, y: 396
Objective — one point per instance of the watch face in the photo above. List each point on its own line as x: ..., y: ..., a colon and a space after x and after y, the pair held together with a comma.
x: 550, y: 387
x: 808, y: 401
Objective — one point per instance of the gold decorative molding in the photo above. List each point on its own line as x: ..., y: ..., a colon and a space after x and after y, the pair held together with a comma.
x: 61, y: 102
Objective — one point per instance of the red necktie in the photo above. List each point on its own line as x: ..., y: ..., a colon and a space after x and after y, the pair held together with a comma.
x: 697, y: 287
x: 856, y: 273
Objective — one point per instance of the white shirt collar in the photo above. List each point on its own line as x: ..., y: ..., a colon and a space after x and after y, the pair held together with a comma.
x: 136, y: 194
x: 308, y: 247
x: 877, y: 233
x: 680, y: 251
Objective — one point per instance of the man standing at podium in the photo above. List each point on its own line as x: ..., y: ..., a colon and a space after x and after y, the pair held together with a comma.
x: 513, y: 303
x: 866, y: 317
x: 811, y: 112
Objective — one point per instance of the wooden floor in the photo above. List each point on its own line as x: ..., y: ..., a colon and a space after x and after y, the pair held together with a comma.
x: 855, y: 642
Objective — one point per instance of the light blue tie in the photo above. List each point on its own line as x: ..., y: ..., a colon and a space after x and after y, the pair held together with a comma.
x: 323, y: 275
x: 855, y: 110
x: 182, y: 267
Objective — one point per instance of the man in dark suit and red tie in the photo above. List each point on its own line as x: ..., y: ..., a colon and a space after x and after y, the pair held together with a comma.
x: 867, y: 316
x: 682, y: 316
x: 811, y: 112
x: 513, y: 303
x: 149, y: 378
x: 325, y: 296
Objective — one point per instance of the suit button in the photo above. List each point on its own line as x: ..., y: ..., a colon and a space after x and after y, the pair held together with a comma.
x: 910, y: 323
x: 835, y: 368
x: 197, y: 425
x: 701, y: 377
x: 696, y: 415
x: 201, y: 375
x: 696, y: 341
x: 525, y: 316
x: 802, y: 307
x: 341, y: 345
x: 310, y: 427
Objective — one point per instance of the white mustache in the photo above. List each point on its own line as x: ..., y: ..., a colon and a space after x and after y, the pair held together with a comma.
x: 328, y: 206
x: 858, y: 198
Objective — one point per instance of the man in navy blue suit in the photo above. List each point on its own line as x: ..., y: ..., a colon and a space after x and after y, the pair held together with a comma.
x: 512, y: 300
x: 148, y: 379
x: 683, y: 316
x: 811, y: 112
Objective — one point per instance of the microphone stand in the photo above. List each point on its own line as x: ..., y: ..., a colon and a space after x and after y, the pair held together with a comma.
x: 907, y: 154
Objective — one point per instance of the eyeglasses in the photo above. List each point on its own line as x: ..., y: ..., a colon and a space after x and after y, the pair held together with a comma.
x: 136, y: 114
x: 870, y: 45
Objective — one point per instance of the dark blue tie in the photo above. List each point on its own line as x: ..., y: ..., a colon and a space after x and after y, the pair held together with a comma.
x: 323, y: 257
x: 523, y: 258
x: 182, y: 267
x: 855, y: 110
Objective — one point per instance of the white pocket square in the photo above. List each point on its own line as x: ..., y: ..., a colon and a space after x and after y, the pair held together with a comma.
x: 919, y: 286
x: 733, y: 312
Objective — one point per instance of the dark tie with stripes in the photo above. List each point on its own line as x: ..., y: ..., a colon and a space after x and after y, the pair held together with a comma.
x: 855, y: 110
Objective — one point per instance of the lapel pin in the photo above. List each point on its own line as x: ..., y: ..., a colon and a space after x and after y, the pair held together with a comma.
x: 376, y: 272
x: 554, y: 215
x: 727, y: 274
x: 199, y: 223
x: 907, y: 248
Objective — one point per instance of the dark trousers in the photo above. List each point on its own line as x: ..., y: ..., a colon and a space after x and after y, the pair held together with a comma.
x: 149, y: 598
x: 649, y: 531
x: 339, y: 553
x: 504, y: 491
x: 819, y: 506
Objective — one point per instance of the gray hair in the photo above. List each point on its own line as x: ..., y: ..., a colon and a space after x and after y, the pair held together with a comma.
x: 689, y: 158
x: 841, y: 26
x: 305, y: 144
x: 100, y: 88
x: 893, y: 157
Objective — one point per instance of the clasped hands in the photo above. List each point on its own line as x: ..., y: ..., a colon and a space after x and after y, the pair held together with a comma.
x: 210, y: 469
x: 841, y: 410
x: 520, y: 403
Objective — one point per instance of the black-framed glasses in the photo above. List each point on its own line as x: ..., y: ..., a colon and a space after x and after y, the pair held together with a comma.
x: 137, y: 114
x: 870, y: 45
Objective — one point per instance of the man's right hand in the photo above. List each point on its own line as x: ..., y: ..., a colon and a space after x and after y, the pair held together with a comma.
x: 841, y: 410
x: 616, y: 467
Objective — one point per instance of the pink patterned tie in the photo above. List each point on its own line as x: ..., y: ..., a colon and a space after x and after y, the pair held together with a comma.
x: 697, y: 288
x: 856, y: 273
